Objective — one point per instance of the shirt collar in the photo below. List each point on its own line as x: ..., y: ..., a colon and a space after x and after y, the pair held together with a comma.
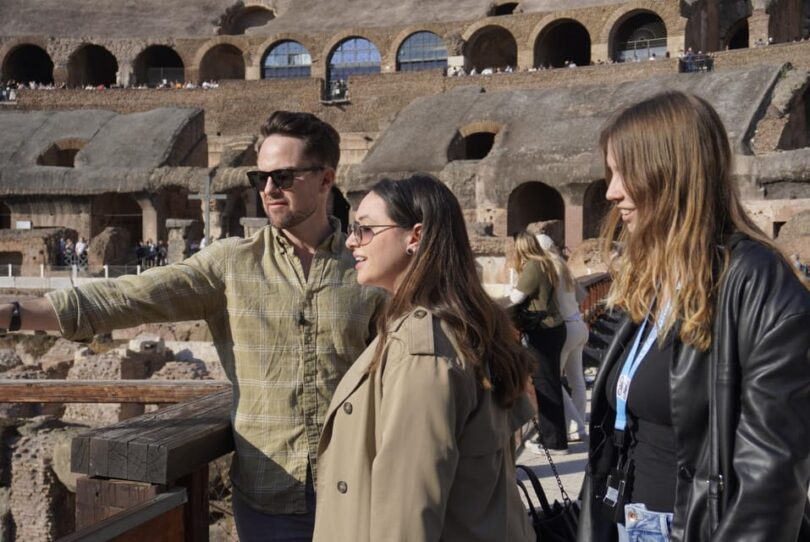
x: 333, y: 243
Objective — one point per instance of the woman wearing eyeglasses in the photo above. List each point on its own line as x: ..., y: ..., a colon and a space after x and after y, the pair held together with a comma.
x: 417, y: 441
x: 699, y: 420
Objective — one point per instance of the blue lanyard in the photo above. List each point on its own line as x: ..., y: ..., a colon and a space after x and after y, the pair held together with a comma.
x: 631, y: 365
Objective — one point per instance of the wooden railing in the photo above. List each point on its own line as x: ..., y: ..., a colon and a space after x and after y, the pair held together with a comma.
x: 146, y: 478
x: 597, y: 287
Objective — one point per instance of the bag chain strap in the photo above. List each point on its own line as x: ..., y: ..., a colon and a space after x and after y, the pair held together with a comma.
x: 563, y: 493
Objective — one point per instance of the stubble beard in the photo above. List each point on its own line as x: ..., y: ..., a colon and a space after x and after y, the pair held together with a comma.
x: 290, y: 219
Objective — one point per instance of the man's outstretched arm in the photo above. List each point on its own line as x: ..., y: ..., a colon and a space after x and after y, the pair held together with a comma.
x: 35, y: 314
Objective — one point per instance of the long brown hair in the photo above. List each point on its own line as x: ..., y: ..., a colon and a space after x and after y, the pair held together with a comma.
x: 527, y: 248
x: 442, y: 278
x: 675, y: 158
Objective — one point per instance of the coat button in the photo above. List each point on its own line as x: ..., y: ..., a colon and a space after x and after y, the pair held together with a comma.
x: 342, y: 487
x: 347, y: 408
x: 685, y: 473
x: 420, y: 313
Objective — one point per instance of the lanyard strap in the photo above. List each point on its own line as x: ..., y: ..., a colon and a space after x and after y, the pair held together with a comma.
x: 631, y: 365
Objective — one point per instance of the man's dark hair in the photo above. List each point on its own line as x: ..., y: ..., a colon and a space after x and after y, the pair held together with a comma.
x: 321, y: 140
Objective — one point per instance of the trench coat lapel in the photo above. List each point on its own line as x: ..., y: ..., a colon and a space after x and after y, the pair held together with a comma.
x: 353, y: 378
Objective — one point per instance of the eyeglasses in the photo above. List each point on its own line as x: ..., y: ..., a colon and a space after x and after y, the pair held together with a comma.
x: 364, y: 233
x: 282, y: 178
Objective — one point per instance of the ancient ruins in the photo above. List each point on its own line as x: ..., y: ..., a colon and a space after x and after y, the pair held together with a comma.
x: 117, y: 118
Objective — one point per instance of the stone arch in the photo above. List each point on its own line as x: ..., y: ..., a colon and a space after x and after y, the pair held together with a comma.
x: 473, y: 141
x: 354, y: 55
x: 533, y: 202
x: 156, y: 63
x: 595, y: 207
x: 91, y: 64
x: 222, y: 61
x: 335, y: 41
x: 489, y: 46
x: 27, y: 62
x: 296, y: 67
x: 560, y: 41
x: 117, y: 210
x: 638, y: 32
x: 61, y: 153
x: 260, y: 52
x: 5, y: 216
x: 737, y: 35
x: 393, y: 57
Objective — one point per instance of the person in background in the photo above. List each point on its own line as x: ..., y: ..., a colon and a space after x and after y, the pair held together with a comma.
x: 699, y: 423
x: 536, y: 287
x: 417, y: 443
x: 569, y: 294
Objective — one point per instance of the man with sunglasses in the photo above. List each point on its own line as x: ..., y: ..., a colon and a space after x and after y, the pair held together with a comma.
x: 285, y: 310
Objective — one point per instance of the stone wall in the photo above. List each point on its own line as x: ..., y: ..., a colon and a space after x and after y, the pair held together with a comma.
x: 26, y: 250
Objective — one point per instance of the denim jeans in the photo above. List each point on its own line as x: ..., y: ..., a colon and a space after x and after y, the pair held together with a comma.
x: 255, y: 526
x: 642, y: 525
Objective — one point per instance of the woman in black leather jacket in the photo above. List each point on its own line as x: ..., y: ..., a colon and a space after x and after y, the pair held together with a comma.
x: 711, y: 364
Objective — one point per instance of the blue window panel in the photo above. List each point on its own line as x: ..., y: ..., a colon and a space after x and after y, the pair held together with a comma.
x: 287, y: 60
x: 355, y: 56
x: 422, y: 51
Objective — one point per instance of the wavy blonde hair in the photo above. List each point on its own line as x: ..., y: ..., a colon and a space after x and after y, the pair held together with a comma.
x: 675, y: 159
x: 528, y: 248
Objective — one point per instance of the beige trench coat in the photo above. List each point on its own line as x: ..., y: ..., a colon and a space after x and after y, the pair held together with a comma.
x: 416, y: 451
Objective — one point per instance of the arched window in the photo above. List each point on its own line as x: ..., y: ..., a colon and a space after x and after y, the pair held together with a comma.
x: 223, y: 61
x: 533, y: 202
x: 737, y: 35
x: 561, y: 43
x: 92, y: 65
x: 639, y: 37
x: 28, y: 63
x: 491, y: 47
x: 286, y: 60
x: 353, y: 56
x: 158, y: 63
x: 62, y: 153
x: 422, y: 51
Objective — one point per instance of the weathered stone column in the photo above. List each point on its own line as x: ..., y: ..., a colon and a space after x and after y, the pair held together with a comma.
x: 758, y: 24
x: 152, y: 217
x: 179, y: 243
x: 252, y: 224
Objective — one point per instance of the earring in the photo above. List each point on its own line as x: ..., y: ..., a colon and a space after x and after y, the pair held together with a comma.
x: 409, y: 251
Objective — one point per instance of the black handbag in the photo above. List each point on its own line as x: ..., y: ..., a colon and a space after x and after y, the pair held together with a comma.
x: 555, y: 522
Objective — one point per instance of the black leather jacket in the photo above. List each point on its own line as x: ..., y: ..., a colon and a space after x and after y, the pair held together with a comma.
x: 743, y: 466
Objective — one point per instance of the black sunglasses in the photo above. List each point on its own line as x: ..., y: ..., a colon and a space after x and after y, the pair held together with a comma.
x: 282, y: 178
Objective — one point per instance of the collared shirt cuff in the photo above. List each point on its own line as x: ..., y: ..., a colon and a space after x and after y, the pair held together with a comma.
x: 67, y: 306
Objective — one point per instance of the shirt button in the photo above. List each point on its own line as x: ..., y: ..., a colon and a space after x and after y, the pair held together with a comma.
x: 347, y: 408
x: 420, y: 313
x: 342, y: 487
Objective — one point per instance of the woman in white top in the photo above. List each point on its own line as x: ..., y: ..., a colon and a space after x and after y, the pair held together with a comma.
x: 568, y: 295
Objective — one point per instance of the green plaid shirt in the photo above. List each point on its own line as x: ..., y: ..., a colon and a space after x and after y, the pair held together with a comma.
x: 284, y: 341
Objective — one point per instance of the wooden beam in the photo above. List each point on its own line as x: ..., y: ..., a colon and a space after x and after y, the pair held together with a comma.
x: 157, y: 519
x: 159, y: 447
x: 107, y: 391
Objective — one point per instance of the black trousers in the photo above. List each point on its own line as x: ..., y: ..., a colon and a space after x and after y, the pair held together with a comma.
x: 548, y: 344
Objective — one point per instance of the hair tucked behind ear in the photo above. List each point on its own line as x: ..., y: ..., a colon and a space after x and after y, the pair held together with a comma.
x: 442, y: 278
